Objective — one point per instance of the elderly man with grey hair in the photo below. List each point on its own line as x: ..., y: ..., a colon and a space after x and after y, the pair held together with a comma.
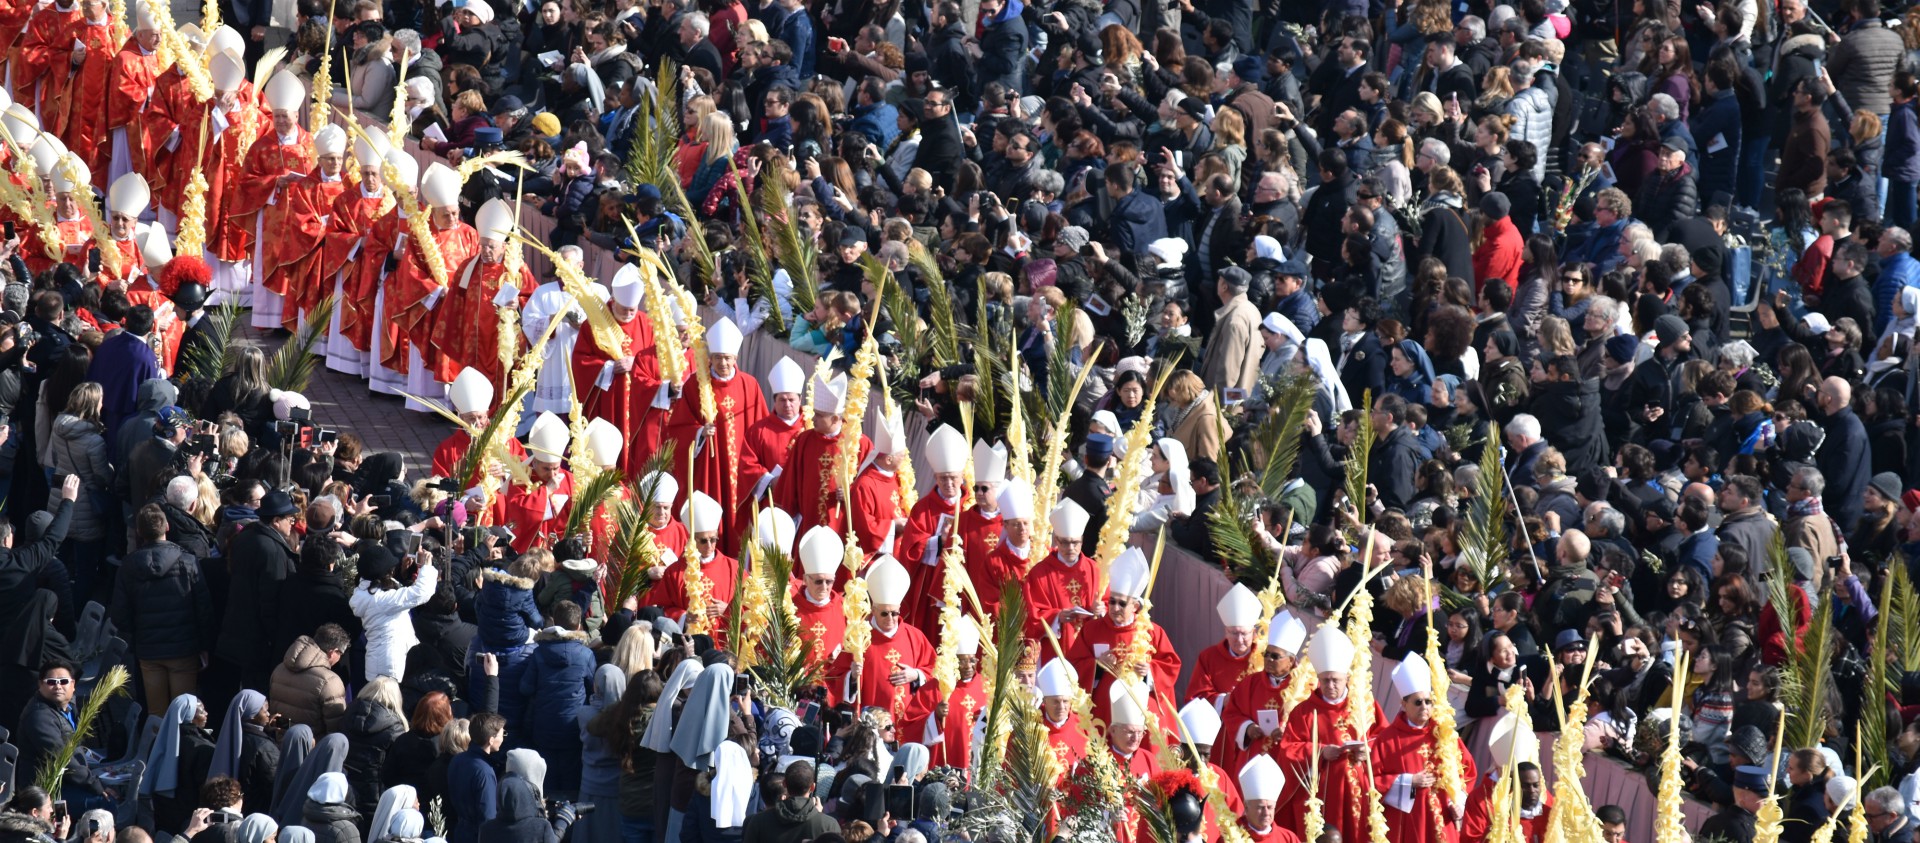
x: 1888, y: 814
x: 181, y: 504
x: 1234, y: 347
x: 1665, y: 111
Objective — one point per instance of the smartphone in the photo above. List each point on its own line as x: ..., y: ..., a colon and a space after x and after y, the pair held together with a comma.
x: 326, y: 436
x: 503, y: 533
x: 93, y: 261
x: 11, y: 232
x: 203, y: 443
x: 900, y: 798
x: 59, y: 811
x: 381, y: 501
x: 410, y: 543
x: 299, y: 414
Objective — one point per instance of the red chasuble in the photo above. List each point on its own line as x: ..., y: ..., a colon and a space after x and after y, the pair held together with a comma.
x: 166, y: 108
x: 906, y: 648
x: 979, y: 537
x: 1000, y: 566
x: 44, y: 65
x: 258, y: 190
x: 670, y: 593
x: 769, y: 439
x: 82, y: 112
x: 409, y: 322
x: 1274, y: 834
x: 950, y: 739
x: 221, y: 162
x: 927, y: 583
x: 875, y: 507
x: 1052, y: 587
x: 296, y: 250
x: 1478, y: 821
x: 130, y: 79
x: 451, y: 450
x: 538, y: 515
x: 1414, y: 815
x: 13, y: 19
x: 808, y: 488
x: 351, y: 224
x: 822, y: 624
x: 1068, y: 743
x: 1216, y: 672
x: 1100, y: 636
x: 626, y: 401
x: 724, y: 468
x: 466, y: 325
x: 1253, y: 695
x: 77, y: 234
x: 1344, y: 787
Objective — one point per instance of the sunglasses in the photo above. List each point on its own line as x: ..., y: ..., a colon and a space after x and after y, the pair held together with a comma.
x: 887, y: 614
x: 56, y: 682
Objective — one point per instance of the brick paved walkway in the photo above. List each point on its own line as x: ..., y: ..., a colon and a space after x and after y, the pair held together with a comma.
x: 343, y: 402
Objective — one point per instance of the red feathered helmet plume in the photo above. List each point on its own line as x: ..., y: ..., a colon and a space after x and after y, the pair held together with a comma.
x: 185, y: 269
x: 1170, y: 783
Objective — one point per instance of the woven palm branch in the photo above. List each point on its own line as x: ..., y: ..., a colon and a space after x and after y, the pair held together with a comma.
x: 207, y: 361
x: 786, y: 669
x: 1008, y: 635
x: 759, y: 264
x: 292, y: 367
x: 792, y: 249
x: 1483, y: 541
x: 503, y: 158
x: 588, y: 497
x: 1281, y: 435
x: 473, y: 464
x: 53, y: 772
x: 945, y: 340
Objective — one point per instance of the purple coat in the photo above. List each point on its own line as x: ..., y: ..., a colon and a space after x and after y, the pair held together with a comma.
x: 122, y: 363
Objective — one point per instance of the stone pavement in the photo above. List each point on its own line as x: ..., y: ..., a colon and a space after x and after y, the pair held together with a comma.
x: 343, y: 402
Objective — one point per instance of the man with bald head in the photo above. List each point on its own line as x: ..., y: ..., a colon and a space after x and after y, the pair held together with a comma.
x: 1845, y: 458
x: 1570, y: 583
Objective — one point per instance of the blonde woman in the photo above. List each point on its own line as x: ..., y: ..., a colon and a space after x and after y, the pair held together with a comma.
x: 718, y: 131
x: 693, y: 143
x: 1230, y: 140
x: 635, y: 651
x: 79, y: 448
x: 376, y: 719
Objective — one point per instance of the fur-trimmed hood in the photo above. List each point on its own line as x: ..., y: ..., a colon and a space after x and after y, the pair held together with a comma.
x: 1799, y: 43
x: 553, y: 633
x: 506, y: 579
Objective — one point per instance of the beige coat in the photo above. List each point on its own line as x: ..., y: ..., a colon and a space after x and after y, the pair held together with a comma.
x: 1234, y: 348
x: 1200, y: 430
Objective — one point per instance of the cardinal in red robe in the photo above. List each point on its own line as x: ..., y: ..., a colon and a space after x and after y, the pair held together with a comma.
x: 296, y: 250
x: 1195, y: 732
x: 537, y: 511
x: 623, y: 385
x: 810, y: 488
x: 980, y: 524
x: 1221, y: 665
x: 823, y: 619
x: 81, y: 111
x: 1252, y: 717
x: 1406, y: 763
x: 466, y: 322
x: 921, y: 542
x: 721, y: 572
x: 1010, y: 557
x: 45, y: 64
x: 350, y: 225
x: 1261, y: 783
x: 129, y: 87
x: 257, y: 206
x: 947, y: 731
x: 1062, y: 589
x: 1057, y: 685
x: 71, y: 186
x: 898, y: 662
x: 876, y: 506
x: 1107, y: 646
x: 716, y: 447
x: 770, y: 437
x: 1325, y: 720
x: 412, y: 290
x: 1507, y: 745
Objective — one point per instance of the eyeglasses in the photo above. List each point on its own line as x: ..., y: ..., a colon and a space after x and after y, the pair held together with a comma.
x: 885, y: 614
x: 983, y: 488
x: 1117, y: 601
x: 1420, y: 703
x: 56, y: 681
x: 706, y: 541
x: 1363, y: 196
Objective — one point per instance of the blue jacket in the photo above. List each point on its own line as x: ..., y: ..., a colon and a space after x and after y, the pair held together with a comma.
x: 797, y: 31
x: 472, y: 795
x: 1902, y: 161
x: 1601, y: 248
x: 555, y: 681
x: 1136, y: 222
x: 1901, y: 270
x: 1720, y: 118
x: 1003, y: 46
x: 880, y: 122
x: 504, y: 611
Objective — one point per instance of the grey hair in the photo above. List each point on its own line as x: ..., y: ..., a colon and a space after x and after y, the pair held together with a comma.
x: 914, y: 836
x: 1886, y: 799
x: 1606, y: 306
x: 408, y: 40
x: 1047, y: 181
x: 1675, y: 256
x: 1524, y: 425
x: 1898, y: 236
x: 1637, y: 231
x: 700, y: 23
x: 1647, y: 250
x: 893, y: 253
x: 1474, y: 26
x: 1739, y: 353
x: 1607, y: 518
x: 573, y: 254
x: 183, y: 492
x: 1812, y: 479
x: 1438, y: 150
x: 1664, y: 107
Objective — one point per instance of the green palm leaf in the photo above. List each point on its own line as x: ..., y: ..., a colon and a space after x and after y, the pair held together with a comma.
x: 292, y: 367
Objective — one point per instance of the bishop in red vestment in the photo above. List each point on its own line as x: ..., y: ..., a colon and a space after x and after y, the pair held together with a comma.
x: 258, y: 206
x: 1221, y: 666
x: 823, y: 619
x: 930, y: 526
x: 1105, y: 645
x: 537, y: 511
x: 947, y: 731
x: 1406, y: 762
x: 1252, y: 718
x: 412, y: 292
x: 130, y: 85
x: 898, y: 662
x: 716, y: 447
x: 1324, y: 719
x: 296, y: 251
x: 1009, y: 559
x: 81, y: 112
x: 1057, y: 685
x: 810, y: 488
x: 770, y: 437
x: 1508, y: 747
x: 350, y: 225
x: 670, y: 590
x: 623, y: 385
x: 1062, y: 589
x: 466, y: 322
x: 76, y: 230
x: 1261, y: 783
x: 876, y: 505
x: 44, y: 66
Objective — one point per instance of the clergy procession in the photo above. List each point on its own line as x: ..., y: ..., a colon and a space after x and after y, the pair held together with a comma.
x: 922, y: 422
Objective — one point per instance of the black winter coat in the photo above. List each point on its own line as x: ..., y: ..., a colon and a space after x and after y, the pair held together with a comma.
x: 371, y: 730
x: 308, y: 600
x: 260, y: 560
x: 1666, y: 198
x: 1570, y: 420
x: 161, y: 606
x: 186, y: 531
x: 332, y: 823
x: 20, y: 565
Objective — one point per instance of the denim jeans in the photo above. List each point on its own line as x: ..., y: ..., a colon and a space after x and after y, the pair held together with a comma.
x: 636, y: 829
x: 1901, y: 203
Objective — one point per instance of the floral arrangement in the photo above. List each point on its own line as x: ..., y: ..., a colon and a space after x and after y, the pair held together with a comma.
x: 1569, y: 194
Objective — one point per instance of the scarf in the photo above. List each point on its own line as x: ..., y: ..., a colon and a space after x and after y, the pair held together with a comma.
x: 1811, y: 506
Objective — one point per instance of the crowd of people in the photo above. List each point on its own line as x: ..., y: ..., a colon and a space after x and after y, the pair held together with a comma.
x: 1576, y: 336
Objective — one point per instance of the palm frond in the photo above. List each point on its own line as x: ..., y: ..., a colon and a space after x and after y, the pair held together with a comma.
x: 945, y: 343
x: 263, y: 71
x: 292, y: 367
x: 699, y: 251
x: 642, y: 166
x: 1357, y: 460
x: 1873, y: 705
x: 480, y: 447
x: 1906, y: 610
x: 1483, y: 542
x: 1240, y: 552
x: 898, y: 303
x: 786, y: 669
x: 1282, y: 434
x: 1803, y: 679
x: 759, y: 266
x: 1009, y: 626
x: 631, y: 533
x: 53, y: 771
x: 588, y: 497
x: 207, y: 361
x: 666, y: 111
x: 791, y: 248
x: 1059, y: 373
x: 503, y: 158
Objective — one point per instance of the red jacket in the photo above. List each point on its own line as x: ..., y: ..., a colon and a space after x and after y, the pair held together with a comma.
x: 1499, y: 255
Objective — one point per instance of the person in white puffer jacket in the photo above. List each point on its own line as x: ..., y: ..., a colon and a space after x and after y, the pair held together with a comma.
x: 382, y: 605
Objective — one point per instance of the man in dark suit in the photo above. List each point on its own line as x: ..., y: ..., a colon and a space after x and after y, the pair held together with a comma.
x: 1090, y: 490
x: 1339, y: 84
x: 695, y: 49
